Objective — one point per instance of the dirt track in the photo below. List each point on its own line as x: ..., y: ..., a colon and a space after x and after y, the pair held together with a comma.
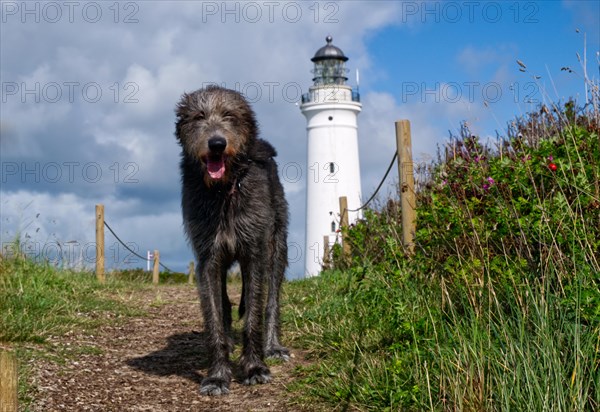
x: 149, y: 363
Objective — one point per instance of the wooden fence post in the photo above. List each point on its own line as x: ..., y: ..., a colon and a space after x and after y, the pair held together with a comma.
x: 8, y: 382
x: 407, y: 183
x: 155, y: 270
x: 326, y: 252
x: 344, y: 225
x: 100, y: 243
x: 191, y: 273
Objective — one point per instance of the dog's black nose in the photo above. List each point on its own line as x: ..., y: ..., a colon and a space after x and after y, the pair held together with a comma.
x: 217, y: 144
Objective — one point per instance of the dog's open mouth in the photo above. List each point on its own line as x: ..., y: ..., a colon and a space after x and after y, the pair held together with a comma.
x: 215, y: 164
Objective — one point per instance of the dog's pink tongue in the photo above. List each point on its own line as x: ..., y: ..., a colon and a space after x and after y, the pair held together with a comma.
x: 216, y: 168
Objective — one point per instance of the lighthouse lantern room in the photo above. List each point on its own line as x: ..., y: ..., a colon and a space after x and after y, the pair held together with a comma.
x: 331, y: 109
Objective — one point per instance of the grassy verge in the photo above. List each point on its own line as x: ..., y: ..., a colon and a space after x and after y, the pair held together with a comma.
x: 363, y: 332
x: 39, y: 301
x: 499, y: 307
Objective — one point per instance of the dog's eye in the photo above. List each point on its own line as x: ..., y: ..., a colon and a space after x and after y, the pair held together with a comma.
x: 228, y: 116
x: 199, y: 116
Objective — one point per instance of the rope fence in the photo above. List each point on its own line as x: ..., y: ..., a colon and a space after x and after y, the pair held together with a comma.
x: 403, y: 155
x: 387, y: 172
x: 100, y: 255
x: 131, y: 250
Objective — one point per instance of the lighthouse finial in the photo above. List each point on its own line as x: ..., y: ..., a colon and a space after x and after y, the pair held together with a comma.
x: 329, y: 39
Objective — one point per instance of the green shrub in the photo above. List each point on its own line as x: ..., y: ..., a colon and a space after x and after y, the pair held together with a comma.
x: 498, y: 308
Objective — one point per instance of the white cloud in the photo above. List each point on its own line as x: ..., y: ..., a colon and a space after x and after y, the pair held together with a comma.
x: 176, y: 47
x: 46, y: 223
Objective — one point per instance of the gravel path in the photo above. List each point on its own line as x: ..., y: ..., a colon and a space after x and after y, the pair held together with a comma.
x: 153, y: 362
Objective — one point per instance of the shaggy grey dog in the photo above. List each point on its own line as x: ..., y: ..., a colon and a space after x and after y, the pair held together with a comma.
x: 234, y: 209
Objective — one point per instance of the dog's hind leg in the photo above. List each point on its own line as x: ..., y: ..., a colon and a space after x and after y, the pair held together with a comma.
x: 252, y: 362
x: 210, y: 288
x: 278, y: 252
x: 226, y: 304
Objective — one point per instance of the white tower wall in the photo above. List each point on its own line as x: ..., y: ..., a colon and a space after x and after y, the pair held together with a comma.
x: 331, y: 114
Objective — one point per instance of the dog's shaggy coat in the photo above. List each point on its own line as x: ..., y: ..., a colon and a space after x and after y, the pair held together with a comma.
x: 234, y: 209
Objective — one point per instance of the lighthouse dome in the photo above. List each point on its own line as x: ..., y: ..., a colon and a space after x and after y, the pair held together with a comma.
x: 329, y: 52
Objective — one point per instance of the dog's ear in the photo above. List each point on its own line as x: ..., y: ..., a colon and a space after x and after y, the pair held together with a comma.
x: 181, y: 111
x: 184, y: 106
x: 262, y: 151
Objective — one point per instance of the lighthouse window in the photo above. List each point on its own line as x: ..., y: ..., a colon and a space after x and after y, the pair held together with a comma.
x: 333, y: 226
x: 330, y: 118
x: 331, y: 167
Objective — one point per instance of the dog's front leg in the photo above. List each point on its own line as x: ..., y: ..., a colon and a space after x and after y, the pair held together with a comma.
x: 219, y: 373
x: 252, y: 361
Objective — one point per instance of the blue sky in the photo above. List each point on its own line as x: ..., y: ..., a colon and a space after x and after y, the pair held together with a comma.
x: 473, y: 48
x: 89, y: 88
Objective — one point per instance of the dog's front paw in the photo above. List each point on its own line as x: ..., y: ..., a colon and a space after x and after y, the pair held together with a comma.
x: 214, y: 387
x: 278, y: 352
x: 258, y: 374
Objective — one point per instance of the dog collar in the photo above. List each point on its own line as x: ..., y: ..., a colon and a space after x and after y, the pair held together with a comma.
x: 237, y: 183
x: 236, y: 186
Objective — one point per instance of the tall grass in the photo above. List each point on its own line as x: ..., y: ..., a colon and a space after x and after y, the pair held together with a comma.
x: 520, y: 267
x: 499, y: 308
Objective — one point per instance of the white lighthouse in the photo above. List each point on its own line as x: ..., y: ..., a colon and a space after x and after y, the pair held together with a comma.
x: 331, y: 108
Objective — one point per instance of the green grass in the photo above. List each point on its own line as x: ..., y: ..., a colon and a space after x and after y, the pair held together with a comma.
x: 362, y: 333
x: 38, y: 300
x: 499, y: 307
x: 143, y: 276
